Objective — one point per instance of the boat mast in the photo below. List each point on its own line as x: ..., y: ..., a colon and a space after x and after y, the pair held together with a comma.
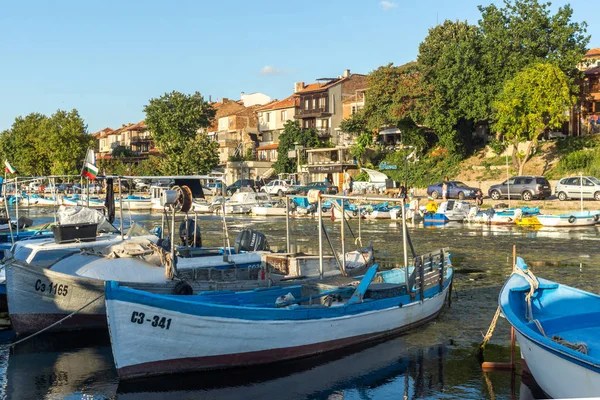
x: 320, y: 219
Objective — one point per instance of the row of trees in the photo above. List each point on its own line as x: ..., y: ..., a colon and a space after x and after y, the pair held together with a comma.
x: 46, y: 145
x: 38, y: 145
x: 514, y: 73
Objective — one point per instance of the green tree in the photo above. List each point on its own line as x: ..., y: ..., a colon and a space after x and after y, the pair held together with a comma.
x: 292, y: 133
x: 534, y: 100
x: 525, y: 32
x: 357, y: 126
x: 38, y: 145
x: 395, y: 98
x: 450, y: 65
x: 66, y: 142
x: 175, y: 120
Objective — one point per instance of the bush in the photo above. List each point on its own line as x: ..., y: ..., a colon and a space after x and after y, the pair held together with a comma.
x: 576, y: 161
x: 497, y: 146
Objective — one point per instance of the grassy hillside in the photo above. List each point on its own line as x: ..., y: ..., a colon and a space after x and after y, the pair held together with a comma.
x: 553, y: 159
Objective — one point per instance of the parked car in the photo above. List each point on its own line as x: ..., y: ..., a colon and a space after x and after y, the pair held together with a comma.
x: 325, y: 188
x: 525, y: 187
x: 231, y: 189
x: 456, y: 190
x: 141, y: 185
x: 573, y: 188
x: 279, y: 187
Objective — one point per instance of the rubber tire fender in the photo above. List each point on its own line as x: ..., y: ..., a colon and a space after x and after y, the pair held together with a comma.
x: 355, y: 212
x: 596, y: 217
x: 572, y: 219
x: 183, y: 288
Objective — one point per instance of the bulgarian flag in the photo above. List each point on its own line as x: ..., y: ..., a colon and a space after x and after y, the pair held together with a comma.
x: 9, y: 168
x: 89, y: 171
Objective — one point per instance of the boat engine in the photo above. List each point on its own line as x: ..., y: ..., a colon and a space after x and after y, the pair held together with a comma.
x: 187, y: 235
x: 250, y: 240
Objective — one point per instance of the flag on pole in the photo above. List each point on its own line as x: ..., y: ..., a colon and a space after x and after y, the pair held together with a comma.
x: 89, y: 171
x: 9, y: 168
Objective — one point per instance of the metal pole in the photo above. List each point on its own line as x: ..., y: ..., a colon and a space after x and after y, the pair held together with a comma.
x: 320, y: 219
x: 17, y: 203
x: 507, y: 180
x: 12, y: 238
x: 287, y: 224
x: 55, y: 196
x: 406, y: 273
x: 121, y: 208
x: 195, y: 228
x: 343, y: 220
x: 87, y: 191
x: 581, y: 189
x: 173, y: 237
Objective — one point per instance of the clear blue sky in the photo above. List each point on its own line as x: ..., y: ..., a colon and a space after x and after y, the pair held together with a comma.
x: 108, y: 58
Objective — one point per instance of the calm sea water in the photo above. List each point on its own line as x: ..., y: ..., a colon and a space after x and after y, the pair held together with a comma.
x: 436, y: 361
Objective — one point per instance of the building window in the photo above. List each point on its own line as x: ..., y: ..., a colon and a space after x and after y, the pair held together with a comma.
x: 333, y: 103
x: 306, y: 104
x: 322, y: 102
x: 597, y: 107
x: 314, y: 104
x: 353, y: 111
x: 268, y: 117
x: 284, y: 115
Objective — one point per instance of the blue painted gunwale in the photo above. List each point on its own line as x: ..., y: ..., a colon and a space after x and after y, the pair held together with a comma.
x: 200, y: 305
x: 512, y: 304
x: 527, y: 212
x: 436, y: 218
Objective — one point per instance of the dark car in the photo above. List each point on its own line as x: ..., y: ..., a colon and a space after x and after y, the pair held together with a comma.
x: 456, y: 190
x: 231, y: 189
x: 524, y: 187
x: 325, y: 188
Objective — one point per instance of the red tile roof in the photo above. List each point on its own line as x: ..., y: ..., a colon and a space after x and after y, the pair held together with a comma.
x: 102, y: 133
x: 593, y: 52
x: 268, y: 146
x: 288, y: 102
x: 312, y: 87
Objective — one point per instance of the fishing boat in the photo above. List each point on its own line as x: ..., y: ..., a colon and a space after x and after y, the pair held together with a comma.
x: 134, y: 203
x: 448, y: 211
x: 269, y: 209
x: 378, y: 211
x: 573, y: 219
x: 509, y: 216
x: 557, y: 330
x: 78, y: 200
x: 242, y: 201
x: 265, y: 326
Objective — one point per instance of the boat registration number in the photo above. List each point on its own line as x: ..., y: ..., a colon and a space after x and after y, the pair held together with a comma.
x: 51, y: 288
x: 156, y: 321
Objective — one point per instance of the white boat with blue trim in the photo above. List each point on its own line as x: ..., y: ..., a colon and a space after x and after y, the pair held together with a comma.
x: 573, y: 219
x: 154, y: 334
x: 557, y: 328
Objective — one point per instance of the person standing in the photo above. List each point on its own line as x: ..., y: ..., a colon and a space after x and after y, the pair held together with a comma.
x: 445, y: 190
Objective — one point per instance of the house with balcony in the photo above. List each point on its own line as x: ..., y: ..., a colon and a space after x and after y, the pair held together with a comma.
x: 134, y: 137
x: 320, y: 104
x: 271, y: 119
x: 330, y: 164
x: 101, y: 141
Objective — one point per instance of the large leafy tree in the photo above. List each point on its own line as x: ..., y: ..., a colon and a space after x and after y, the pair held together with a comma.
x: 175, y: 120
x: 357, y: 126
x: 525, y: 32
x: 292, y: 134
x: 534, y: 100
x: 38, y: 145
x: 450, y: 64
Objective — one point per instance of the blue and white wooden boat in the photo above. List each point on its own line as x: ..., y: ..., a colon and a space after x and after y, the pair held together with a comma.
x: 509, y: 216
x: 557, y: 328
x: 154, y: 334
x: 134, y: 203
x: 573, y: 219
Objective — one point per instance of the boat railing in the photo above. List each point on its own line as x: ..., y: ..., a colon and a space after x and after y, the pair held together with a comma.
x: 430, y: 270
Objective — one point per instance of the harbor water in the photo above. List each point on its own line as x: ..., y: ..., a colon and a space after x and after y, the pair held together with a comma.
x: 436, y: 361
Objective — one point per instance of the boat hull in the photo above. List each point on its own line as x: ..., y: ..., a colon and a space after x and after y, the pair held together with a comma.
x: 559, y: 221
x: 564, y: 378
x: 33, y: 304
x: 190, y: 344
x: 268, y: 211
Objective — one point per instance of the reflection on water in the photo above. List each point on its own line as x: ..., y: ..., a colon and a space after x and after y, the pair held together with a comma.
x: 435, y: 361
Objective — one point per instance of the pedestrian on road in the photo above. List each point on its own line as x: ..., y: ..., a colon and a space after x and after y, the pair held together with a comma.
x: 445, y: 189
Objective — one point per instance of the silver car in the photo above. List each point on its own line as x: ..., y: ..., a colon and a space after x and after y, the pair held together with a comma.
x: 573, y: 188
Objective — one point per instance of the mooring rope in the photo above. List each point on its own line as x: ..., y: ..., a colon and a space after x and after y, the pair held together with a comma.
x: 8, y: 346
x: 533, y: 286
x: 490, y: 330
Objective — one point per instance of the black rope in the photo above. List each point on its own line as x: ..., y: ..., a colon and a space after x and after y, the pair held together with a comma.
x: 332, y: 249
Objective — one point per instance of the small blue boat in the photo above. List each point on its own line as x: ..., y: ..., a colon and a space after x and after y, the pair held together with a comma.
x: 558, y: 331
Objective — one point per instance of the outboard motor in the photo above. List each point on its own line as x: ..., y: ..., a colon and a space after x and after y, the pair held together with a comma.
x: 187, y: 235
x: 250, y: 240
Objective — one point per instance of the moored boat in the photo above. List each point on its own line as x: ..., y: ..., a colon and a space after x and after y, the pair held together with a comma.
x: 557, y: 330
x: 265, y: 326
x: 573, y: 219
